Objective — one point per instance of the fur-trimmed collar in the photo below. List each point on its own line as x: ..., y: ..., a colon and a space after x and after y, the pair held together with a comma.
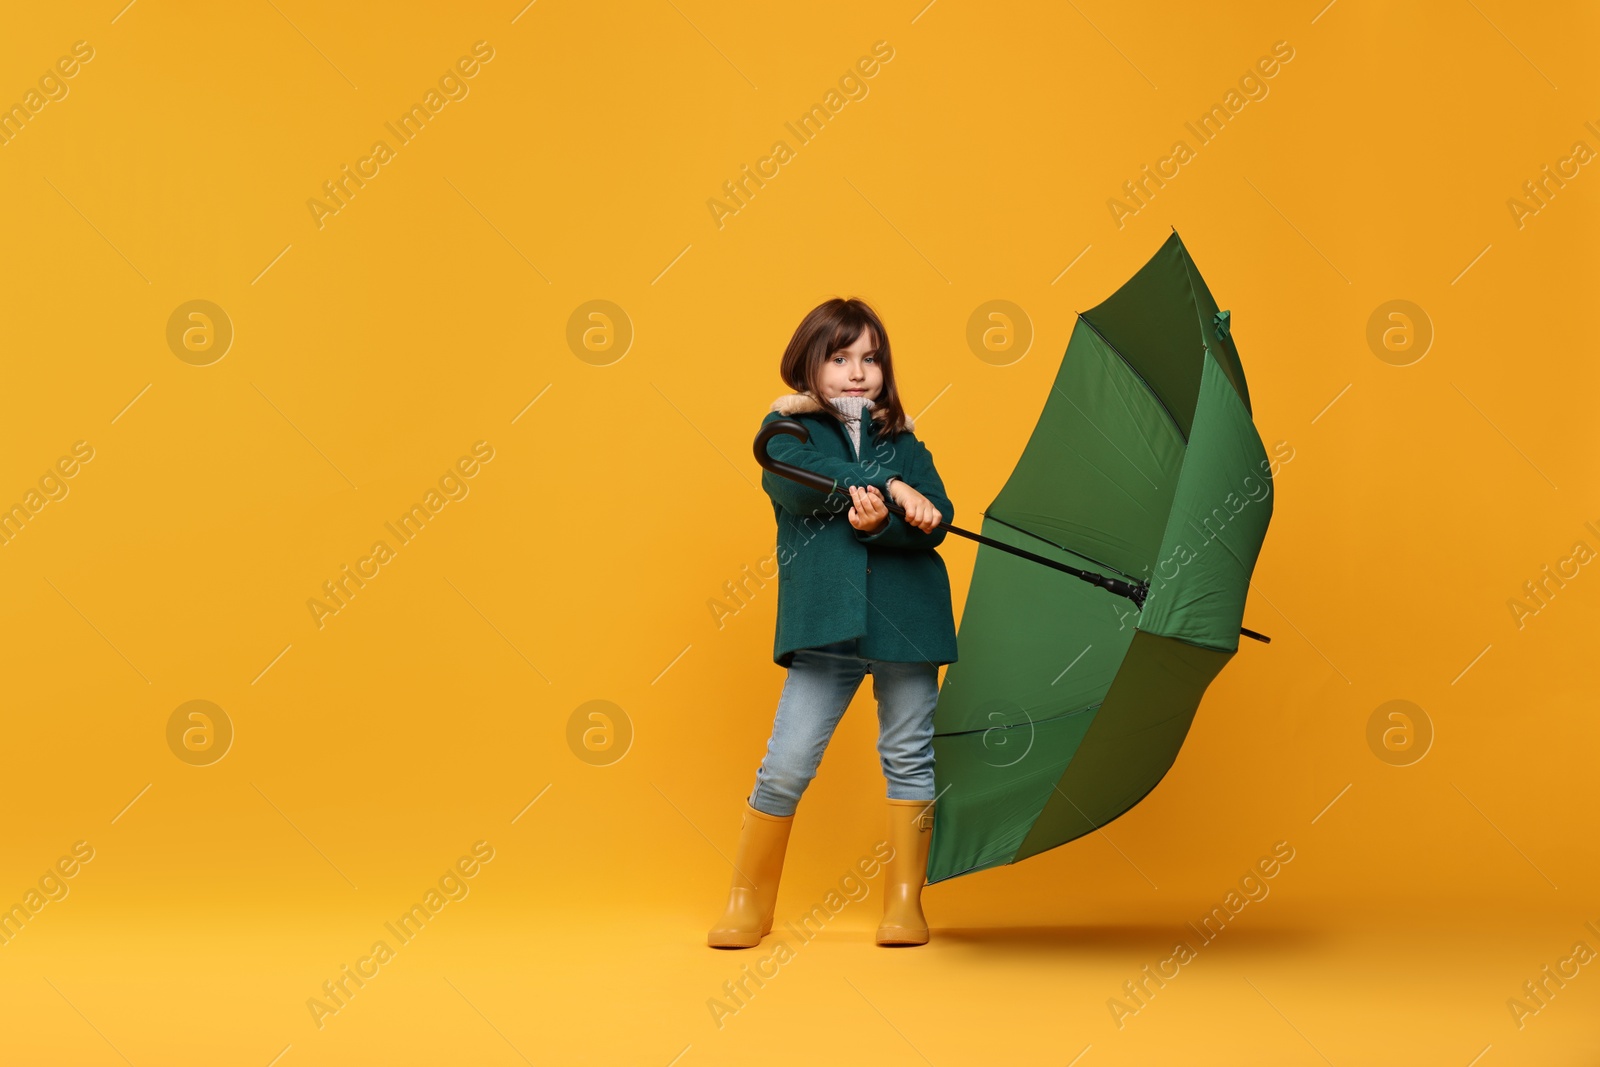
x: 805, y: 403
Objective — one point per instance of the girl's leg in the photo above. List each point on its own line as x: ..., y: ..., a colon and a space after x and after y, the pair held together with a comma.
x: 906, y: 693
x: 818, y: 689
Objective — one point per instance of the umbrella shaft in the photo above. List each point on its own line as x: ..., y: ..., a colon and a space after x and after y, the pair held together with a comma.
x: 1133, y: 592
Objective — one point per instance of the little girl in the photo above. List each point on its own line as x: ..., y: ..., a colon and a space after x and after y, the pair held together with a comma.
x: 859, y: 592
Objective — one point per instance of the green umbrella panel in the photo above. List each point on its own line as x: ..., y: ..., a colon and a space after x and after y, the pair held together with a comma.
x: 1068, y: 704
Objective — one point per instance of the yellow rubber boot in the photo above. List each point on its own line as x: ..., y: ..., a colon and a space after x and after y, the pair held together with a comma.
x: 910, y: 830
x: 757, y: 865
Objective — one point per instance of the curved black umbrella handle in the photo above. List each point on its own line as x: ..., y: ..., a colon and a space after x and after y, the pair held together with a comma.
x: 820, y: 482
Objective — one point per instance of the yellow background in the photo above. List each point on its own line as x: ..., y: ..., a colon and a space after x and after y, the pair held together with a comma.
x: 432, y: 710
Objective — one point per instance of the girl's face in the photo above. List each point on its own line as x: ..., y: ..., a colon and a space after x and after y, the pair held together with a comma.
x: 853, y: 371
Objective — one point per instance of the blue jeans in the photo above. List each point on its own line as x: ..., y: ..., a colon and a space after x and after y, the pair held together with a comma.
x: 821, y: 683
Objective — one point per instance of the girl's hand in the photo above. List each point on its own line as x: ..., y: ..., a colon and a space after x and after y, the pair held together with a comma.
x: 869, y: 514
x: 920, y: 511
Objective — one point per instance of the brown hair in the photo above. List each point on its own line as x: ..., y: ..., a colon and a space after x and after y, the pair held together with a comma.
x: 830, y: 326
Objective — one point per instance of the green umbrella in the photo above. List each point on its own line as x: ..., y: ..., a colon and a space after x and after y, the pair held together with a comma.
x: 1067, y: 704
x: 1145, y: 493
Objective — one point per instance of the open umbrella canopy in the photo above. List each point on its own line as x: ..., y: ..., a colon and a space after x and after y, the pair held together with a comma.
x: 1068, y: 703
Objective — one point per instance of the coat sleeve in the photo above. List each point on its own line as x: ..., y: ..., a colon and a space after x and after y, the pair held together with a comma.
x: 880, y: 463
x: 922, y: 476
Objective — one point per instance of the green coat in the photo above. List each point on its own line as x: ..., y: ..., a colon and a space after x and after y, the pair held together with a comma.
x: 835, y: 582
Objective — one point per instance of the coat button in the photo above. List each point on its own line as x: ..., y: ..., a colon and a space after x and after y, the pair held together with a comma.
x: 869, y: 570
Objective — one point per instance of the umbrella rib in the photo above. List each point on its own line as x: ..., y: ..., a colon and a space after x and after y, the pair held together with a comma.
x: 1123, y: 391
x: 1030, y: 722
x: 1064, y: 548
x: 1159, y: 399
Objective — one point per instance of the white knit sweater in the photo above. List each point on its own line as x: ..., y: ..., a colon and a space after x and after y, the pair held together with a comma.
x: 852, y: 408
